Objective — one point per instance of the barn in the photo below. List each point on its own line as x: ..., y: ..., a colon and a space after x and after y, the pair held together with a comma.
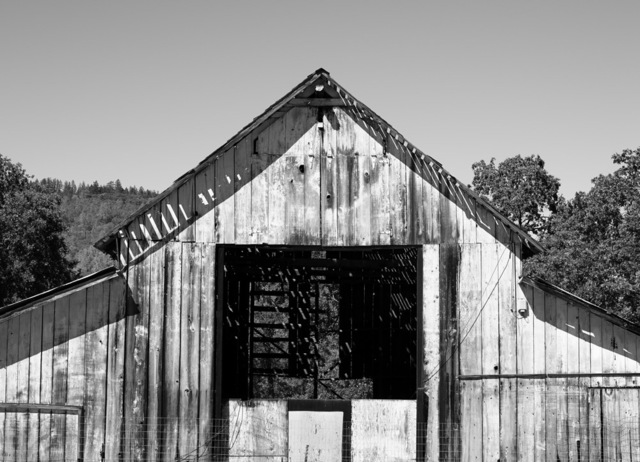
x: 317, y: 289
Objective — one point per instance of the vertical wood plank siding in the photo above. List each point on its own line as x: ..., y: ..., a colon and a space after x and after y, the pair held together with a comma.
x: 136, y: 351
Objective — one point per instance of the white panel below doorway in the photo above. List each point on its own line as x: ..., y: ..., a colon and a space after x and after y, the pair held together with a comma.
x: 315, y: 436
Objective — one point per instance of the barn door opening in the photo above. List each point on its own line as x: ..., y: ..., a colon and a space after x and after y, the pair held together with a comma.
x: 319, y: 323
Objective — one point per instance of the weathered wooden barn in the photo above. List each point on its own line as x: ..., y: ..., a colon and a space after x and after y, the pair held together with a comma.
x: 316, y: 289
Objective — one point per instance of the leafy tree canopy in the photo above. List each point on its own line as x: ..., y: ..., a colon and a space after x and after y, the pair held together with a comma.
x: 593, y: 241
x: 521, y: 188
x: 33, y: 253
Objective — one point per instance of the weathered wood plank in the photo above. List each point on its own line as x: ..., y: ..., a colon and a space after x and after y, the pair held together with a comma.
x: 431, y: 323
x: 470, y: 310
x: 242, y: 191
x: 35, y: 364
x: 205, y: 203
x: 595, y: 424
x: 471, y: 421
x: 540, y: 396
x: 312, y: 165
x: 156, y: 353
x: 46, y: 378
x: 259, y: 219
x: 115, y: 370
x: 60, y: 376
x: 186, y: 210
x: 597, y: 347
x: 76, y: 370
x: 491, y: 269
x: 508, y: 419
x: 260, y: 427
x: 611, y: 441
x: 95, y: 344
x: 383, y: 430
x: 608, y: 353
x: 380, y: 205
x: 526, y: 420
x: 207, y: 341
x: 584, y: 351
x: 4, y: 337
x: 508, y: 312
x: 225, y: 200
x: 491, y: 419
x: 397, y: 191
x: 561, y: 354
x: 22, y: 395
x: 171, y: 360
x: 573, y: 384
x: 277, y: 182
x: 11, y: 390
x: 137, y: 338
x: 315, y: 436
x: 620, y: 360
x: 329, y: 179
x: 189, y: 348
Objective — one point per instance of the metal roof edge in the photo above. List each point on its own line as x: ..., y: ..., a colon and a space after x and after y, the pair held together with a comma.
x: 42, y: 296
x: 560, y: 292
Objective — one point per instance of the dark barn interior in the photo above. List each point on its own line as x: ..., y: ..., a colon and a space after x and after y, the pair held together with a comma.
x: 318, y: 323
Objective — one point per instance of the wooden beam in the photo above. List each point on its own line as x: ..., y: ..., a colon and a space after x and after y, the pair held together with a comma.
x: 319, y: 102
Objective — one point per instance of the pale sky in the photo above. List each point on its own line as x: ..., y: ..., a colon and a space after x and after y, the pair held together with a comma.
x: 142, y: 91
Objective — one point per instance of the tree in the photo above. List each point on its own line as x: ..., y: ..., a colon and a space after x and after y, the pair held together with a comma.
x: 33, y: 254
x: 520, y: 188
x: 593, y: 241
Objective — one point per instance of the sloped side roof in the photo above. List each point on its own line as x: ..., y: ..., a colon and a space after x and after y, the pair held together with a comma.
x: 338, y: 96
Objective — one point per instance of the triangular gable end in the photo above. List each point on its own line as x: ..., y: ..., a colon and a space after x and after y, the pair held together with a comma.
x: 320, y: 91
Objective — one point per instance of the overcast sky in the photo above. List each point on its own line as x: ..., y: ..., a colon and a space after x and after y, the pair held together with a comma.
x: 142, y: 91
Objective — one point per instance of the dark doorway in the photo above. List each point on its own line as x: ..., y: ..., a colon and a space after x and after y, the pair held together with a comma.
x: 317, y: 323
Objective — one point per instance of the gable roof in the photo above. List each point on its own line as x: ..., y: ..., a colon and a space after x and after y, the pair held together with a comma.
x: 318, y: 89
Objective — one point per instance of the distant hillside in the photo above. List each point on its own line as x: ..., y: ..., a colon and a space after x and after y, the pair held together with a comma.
x: 91, y: 211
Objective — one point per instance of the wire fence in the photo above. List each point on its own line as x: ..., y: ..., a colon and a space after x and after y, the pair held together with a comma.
x: 58, y: 438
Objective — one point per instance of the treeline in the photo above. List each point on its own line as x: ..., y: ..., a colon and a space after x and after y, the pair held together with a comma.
x: 70, y: 188
x: 90, y: 211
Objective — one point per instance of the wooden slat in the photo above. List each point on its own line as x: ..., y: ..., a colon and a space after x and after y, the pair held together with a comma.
x: 526, y: 420
x: 470, y: 310
x: 584, y: 351
x: 24, y: 343
x: 471, y: 420
x: 595, y: 322
x: 620, y: 359
x: 60, y: 376
x: 573, y: 384
x: 259, y: 219
x: 189, y: 348
x: 540, y: 397
x: 595, y: 424
x: 250, y: 422
x: 312, y: 165
x: 225, y: 200
x: 11, y: 391
x: 207, y: 342
x: 242, y: 191
x: 205, y: 203
x: 383, y: 430
x: 95, y: 345
x: 491, y: 268
x: 329, y: 180
x: 397, y: 191
x: 608, y: 353
x: 611, y: 440
x: 431, y: 348
x: 171, y: 359
x: 137, y: 338
x: 115, y: 370
x: 35, y: 364
x: 379, y: 178
x: 562, y: 402
x: 46, y: 377
x: 508, y: 419
x: 4, y: 337
x: 277, y: 181
x: 156, y: 352
x: 76, y: 382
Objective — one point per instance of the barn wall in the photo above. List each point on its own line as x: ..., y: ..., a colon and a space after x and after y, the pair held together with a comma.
x: 315, y: 176
x: 527, y: 361
x: 56, y: 365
